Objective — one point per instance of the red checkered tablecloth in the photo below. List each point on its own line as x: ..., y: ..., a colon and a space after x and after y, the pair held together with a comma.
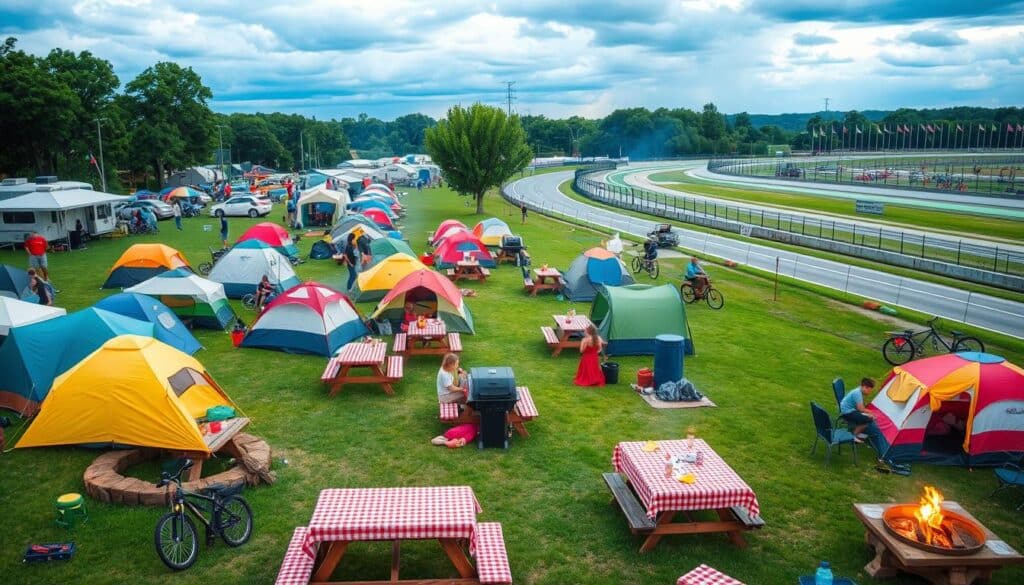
x: 577, y: 324
x: 717, y: 485
x: 705, y: 575
x: 358, y: 353
x: 432, y: 328
x: 392, y: 513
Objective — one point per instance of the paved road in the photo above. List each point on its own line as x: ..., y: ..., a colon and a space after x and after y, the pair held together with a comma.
x: 1004, y: 316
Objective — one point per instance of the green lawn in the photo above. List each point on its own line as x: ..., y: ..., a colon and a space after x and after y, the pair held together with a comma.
x: 760, y: 361
x: 894, y: 214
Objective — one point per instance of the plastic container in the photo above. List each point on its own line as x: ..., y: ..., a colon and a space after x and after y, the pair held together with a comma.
x: 668, y: 358
x: 427, y: 260
x: 237, y: 336
x: 645, y: 377
x: 611, y: 372
x: 823, y: 576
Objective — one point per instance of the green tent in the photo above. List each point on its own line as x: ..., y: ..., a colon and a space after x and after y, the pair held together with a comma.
x: 630, y: 317
x: 381, y: 248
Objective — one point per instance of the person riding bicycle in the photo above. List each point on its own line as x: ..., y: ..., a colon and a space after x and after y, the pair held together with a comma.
x: 264, y: 292
x: 696, y: 276
x: 650, y: 250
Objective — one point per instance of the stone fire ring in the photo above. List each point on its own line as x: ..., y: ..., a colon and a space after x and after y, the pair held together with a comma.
x: 104, y: 479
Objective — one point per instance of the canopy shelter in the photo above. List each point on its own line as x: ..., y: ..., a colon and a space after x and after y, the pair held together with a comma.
x: 443, y: 227
x: 456, y: 246
x: 242, y: 268
x: 144, y: 261
x: 272, y: 234
x: 309, y: 318
x: 33, y: 355
x: 383, y: 248
x: 320, y: 206
x: 134, y: 390
x: 166, y: 325
x: 15, y: 313
x: 373, y: 283
x: 194, y: 299
x: 14, y: 283
x: 954, y: 409
x: 186, y: 193
x: 630, y: 317
x: 593, y: 268
x: 430, y: 294
x: 490, y: 231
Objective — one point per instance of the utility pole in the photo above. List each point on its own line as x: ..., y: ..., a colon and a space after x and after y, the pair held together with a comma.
x: 103, y: 169
x: 220, y: 150
x: 829, y: 148
x: 574, y: 136
x: 510, y: 95
x: 302, y: 153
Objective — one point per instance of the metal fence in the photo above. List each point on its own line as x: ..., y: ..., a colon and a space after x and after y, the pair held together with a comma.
x: 957, y: 252
x: 1001, y: 176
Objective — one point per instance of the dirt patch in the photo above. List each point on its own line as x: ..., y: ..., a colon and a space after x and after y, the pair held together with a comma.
x: 896, y: 322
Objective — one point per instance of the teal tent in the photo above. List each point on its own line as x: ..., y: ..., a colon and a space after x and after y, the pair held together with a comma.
x: 630, y: 317
x: 381, y: 248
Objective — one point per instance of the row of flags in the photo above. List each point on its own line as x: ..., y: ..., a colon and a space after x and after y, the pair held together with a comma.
x: 907, y: 129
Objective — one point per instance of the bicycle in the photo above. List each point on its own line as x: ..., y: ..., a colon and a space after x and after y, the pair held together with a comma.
x: 903, y: 346
x: 714, y: 298
x: 649, y: 265
x: 175, y: 536
x: 215, y: 255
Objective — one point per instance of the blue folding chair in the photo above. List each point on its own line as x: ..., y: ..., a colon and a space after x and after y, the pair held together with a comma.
x: 831, y: 437
x: 1009, y: 475
x: 839, y: 390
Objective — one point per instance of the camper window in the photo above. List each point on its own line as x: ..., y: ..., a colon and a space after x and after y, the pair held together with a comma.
x: 11, y: 217
x: 102, y: 211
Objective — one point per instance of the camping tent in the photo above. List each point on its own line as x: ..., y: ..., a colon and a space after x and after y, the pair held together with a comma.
x: 15, y: 313
x: 191, y: 297
x: 364, y: 204
x: 143, y: 261
x: 382, y: 248
x: 490, y: 230
x: 339, y: 233
x: 373, y: 283
x: 14, y: 283
x: 322, y: 249
x: 983, y: 393
x: 272, y: 234
x: 319, y: 206
x: 166, y: 325
x: 443, y: 227
x: 133, y: 390
x: 630, y: 317
x: 449, y: 232
x: 33, y: 355
x: 379, y: 217
x: 594, y: 267
x: 309, y: 318
x: 455, y: 246
x: 242, y: 268
x: 431, y: 294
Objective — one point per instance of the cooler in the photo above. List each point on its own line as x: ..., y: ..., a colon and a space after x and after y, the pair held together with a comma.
x: 492, y: 394
x: 668, y: 358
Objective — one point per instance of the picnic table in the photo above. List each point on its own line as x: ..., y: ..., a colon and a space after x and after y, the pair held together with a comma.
x: 468, y: 270
x: 566, y: 333
x: 214, y: 441
x: 360, y: 354
x: 546, y: 279
x: 431, y: 339
x: 447, y: 514
x: 716, y: 488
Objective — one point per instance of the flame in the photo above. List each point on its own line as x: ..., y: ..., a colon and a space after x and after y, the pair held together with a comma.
x: 929, y: 514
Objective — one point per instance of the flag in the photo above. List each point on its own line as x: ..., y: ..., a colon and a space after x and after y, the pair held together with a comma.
x: 879, y: 128
x: 906, y: 128
x: 887, y: 131
x: 833, y: 129
x: 844, y: 129
x: 931, y: 129
x: 958, y: 128
x: 994, y: 128
x: 814, y: 132
x: 858, y: 130
x: 1009, y: 127
x: 981, y: 128
x: 92, y: 161
x: 1020, y: 128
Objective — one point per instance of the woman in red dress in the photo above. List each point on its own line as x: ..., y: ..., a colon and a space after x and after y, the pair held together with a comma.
x: 589, y: 371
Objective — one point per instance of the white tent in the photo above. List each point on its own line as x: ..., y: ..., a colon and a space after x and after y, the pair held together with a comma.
x: 242, y: 268
x: 15, y: 313
x: 322, y: 196
x: 190, y: 297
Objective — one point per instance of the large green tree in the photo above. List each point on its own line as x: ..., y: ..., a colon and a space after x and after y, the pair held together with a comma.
x: 478, y: 148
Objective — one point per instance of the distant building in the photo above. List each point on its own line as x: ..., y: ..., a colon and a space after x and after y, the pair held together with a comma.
x: 194, y: 176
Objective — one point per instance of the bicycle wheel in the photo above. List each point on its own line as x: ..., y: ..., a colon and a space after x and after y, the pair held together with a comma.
x: 968, y: 344
x: 898, y: 350
x: 714, y: 298
x: 233, y: 520
x: 637, y: 264
x: 653, y: 270
x: 686, y: 289
x: 249, y: 301
x: 205, y: 268
x: 176, y: 541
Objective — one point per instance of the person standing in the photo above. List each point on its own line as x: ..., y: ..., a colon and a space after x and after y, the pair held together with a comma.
x: 177, y: 215
x: 80, y: 234
x: 35, y: 246
x: 224, y: 231
x: 365, y: 253
x: 150, y: 218
x: 522, y: 210
x: 227, y: 190
x: 349, y: 259
x: 589, y: 373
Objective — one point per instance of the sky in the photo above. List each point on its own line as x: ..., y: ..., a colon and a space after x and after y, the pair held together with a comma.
x: 387, y: 58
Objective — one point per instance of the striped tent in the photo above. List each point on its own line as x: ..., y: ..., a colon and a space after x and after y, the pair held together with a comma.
x: 309, y: 318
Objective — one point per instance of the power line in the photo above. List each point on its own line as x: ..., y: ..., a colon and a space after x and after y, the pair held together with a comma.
x: 510, y: 95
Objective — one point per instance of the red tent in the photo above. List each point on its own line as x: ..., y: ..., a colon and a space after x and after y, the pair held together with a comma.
x: 272, y: 234
x: 443, y: 227
x: 456, y: 245
x: 379, y: 217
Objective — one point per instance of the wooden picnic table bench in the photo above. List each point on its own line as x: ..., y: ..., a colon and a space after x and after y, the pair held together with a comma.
x: 384, y: 370
x: 471, y: 270
x: 566, y: 334
x: 524, y: 411
x: 545, y: 279
x: 431, y: 339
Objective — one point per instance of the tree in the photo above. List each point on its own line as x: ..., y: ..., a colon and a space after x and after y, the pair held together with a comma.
x: 252, y: 140
x: 712, y: 123
x: 478, y: 148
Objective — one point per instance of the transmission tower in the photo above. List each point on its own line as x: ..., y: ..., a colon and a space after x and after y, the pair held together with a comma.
x: 510, y: 95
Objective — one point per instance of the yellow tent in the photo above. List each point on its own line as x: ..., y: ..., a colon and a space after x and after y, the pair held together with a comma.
x: 133, y: 390
x: 375, y: 282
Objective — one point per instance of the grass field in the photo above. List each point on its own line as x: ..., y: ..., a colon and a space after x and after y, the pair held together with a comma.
x: 895, y: 214
x: 760, y: 361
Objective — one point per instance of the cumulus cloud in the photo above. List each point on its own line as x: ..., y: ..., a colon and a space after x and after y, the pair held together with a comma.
x: 811, y: 40
x: 935, y: 38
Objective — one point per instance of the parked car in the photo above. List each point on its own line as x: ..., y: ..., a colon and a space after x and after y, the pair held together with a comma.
x: 242, y: 205
x: 159, y: 208
x: 664, y: 235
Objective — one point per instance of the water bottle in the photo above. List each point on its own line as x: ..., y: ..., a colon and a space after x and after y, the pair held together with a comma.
x: 824, y: 574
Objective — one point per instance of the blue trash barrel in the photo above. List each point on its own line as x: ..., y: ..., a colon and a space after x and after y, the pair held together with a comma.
x: 668, y: 358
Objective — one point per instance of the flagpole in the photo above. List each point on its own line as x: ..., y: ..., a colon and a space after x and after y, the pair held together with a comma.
x: 102, y: 169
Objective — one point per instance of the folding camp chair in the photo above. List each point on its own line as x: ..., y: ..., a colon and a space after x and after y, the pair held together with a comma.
x: 1010, y: 475
x: 839, y: 390
x: 832, y: 437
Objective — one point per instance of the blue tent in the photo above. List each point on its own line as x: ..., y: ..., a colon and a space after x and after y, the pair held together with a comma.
x: 166, y: 325
x: 14, y: 283
x: 362, y: 204
x: 593, y: 267
x: 33, y: 355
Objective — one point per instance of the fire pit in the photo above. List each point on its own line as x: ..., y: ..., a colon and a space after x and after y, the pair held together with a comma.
x: 928, y: 527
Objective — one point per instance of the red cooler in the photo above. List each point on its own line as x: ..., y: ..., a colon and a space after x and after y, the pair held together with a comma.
x: 645, y: 377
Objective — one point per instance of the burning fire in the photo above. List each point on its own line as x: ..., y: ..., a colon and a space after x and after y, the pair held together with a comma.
x: 929, y: 517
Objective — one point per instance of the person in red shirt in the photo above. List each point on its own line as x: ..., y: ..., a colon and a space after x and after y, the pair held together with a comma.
x: 227, y: 190
x: 36, y: 245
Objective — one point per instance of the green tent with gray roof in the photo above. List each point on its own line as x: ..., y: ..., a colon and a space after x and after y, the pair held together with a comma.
x: 630, y: 317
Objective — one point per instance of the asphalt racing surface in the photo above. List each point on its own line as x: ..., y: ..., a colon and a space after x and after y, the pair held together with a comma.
x: 1001, y: 315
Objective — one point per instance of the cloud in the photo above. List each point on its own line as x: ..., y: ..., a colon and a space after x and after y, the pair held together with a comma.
x: 893, y: 11
x: 810, y: 40
x: 935, y: 38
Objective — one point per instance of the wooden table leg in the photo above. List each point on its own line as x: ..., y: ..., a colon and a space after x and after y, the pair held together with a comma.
x: 395, y: 547
x: 562, y: 338
x: 884, y: 564
x: 458, y: 557
x: 339, y: 380
x: 735, y: 536
x: 388, y: 389
x: 652, y: 540
x: 197, y: 470
x: 331, y: 557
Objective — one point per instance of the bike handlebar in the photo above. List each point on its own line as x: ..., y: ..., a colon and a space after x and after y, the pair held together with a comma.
x: 166, y: 478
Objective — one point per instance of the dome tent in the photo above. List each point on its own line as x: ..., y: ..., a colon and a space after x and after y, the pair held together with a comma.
x: 272, y: 234
x: 242, y: 268
x: 166, y: 325
x: 490, y: 231
x: 191, y: 297
x: 16, y: 313
x: 590, y: 269
x: 373, y: 283
x: 456, y: 246
x: 144, y: 261
x: 308, y: 318
x: 443, y: 227
x: 433, y: 294
x: 630, y: 317
x: 383, y: 248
